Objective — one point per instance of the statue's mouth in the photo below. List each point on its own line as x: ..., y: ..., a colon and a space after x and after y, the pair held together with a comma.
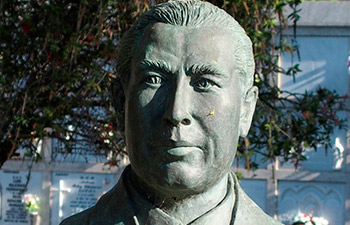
x: 182, y: 151
x: 177, y: 148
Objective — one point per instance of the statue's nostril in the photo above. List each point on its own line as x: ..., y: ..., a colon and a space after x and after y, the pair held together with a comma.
x: 186, y: 122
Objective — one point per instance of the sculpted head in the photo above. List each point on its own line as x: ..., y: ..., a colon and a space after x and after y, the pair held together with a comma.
x: 186, y: 68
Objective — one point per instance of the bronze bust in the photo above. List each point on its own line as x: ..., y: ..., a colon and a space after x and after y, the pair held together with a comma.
x: 186, y: 69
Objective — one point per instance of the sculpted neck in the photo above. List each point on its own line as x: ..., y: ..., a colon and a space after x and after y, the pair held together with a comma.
x: 179, y: 207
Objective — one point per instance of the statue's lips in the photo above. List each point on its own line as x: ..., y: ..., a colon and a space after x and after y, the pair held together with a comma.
x: 181, y: 151
x: 177, y: 148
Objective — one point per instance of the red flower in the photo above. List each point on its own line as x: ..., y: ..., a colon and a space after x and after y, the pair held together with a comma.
x: 112, y: 162
x: 26, y: 28
x: 56, y: 133
x: 320, y: 91
x: 111, y: 57
x: 336, y: 121
x: 306, y: 114
x: 90, y: 37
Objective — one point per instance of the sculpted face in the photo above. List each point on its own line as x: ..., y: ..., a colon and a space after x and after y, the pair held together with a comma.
x: 183, y: 109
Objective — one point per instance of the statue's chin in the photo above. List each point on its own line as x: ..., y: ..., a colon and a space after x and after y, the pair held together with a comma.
x: 181, y: 173
x: 180, y: 179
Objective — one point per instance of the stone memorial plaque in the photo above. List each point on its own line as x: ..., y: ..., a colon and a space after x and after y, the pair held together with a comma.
x: 74, y: 192
x: 12, y: 189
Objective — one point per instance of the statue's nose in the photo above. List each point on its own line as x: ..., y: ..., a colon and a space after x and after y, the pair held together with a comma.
x: 178, y: 105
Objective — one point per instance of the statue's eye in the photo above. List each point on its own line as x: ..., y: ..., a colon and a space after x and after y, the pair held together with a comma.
x: 154, y: 80
x: 203, y: 84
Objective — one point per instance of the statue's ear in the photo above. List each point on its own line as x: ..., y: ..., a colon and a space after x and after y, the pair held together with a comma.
x: 247, y: 110
x: 118, y: 95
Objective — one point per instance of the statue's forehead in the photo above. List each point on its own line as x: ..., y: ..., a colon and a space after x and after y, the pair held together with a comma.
x: 160, y: 31
x: 187, y: 45
x: 163, y: 38
x: 167, y: 34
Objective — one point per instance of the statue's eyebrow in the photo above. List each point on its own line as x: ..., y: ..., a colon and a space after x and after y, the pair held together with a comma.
x: 158, y: 65
x: 201, y: 69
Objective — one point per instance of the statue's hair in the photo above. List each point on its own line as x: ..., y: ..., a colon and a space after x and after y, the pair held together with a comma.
x: 189, y: 13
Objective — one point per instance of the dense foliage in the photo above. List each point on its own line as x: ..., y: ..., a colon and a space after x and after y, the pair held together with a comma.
x: 55, y: 75
x: 57, y: 62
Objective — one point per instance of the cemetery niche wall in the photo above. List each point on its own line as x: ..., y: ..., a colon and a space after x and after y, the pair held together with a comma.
x: 13, y: 186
